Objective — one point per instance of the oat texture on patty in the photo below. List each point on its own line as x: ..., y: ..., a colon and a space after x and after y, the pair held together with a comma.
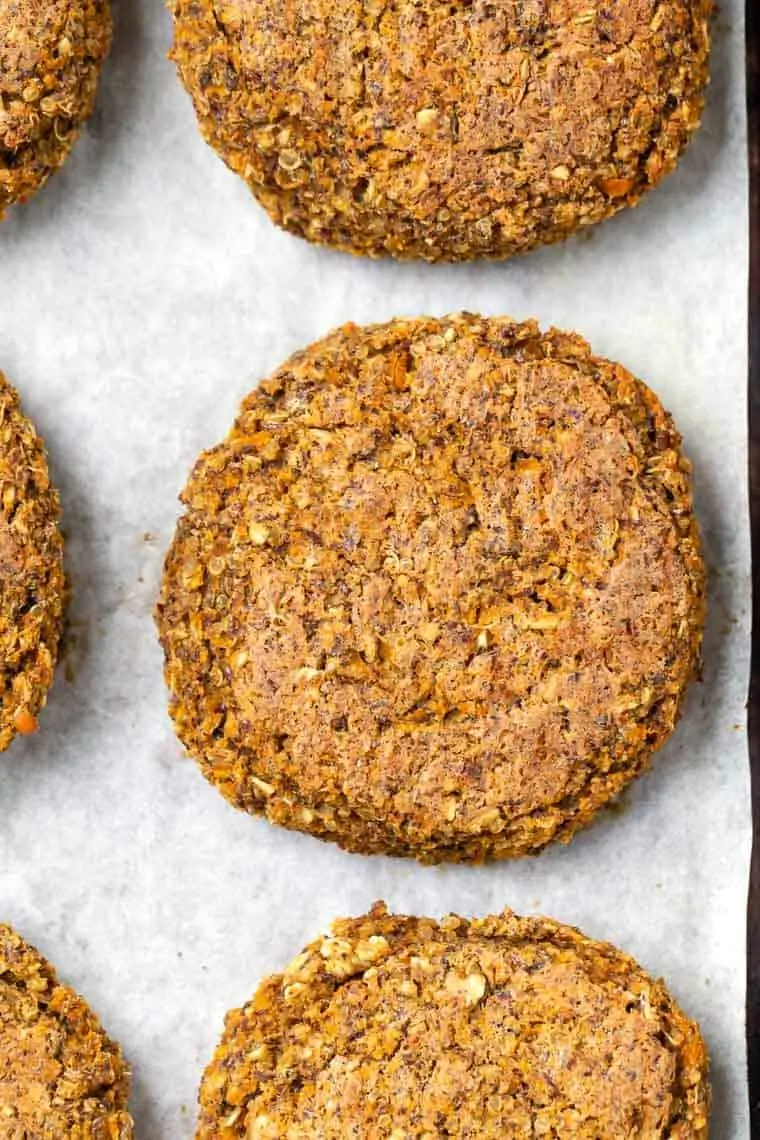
x: 61, y: 1078
x: 439, y: 592
x: 32, y: 580
x: 51, y: 52
x: 445, y: 131
x: 496, y: 1028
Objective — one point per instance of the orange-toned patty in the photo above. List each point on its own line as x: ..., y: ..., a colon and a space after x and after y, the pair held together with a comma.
x: 501, y: 1027
x: 444, y: 131
x: 32, y: 580
x: 51, y: 52
x: 439, y: 592
x: 61, y: 1078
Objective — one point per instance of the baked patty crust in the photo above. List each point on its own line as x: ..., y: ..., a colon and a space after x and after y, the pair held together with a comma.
x: 478, y: 128
x: 439, y: 592
x: 51, y: 52
x: 32, y: 580
x: 61, y: 1078
x: 501, y: 1027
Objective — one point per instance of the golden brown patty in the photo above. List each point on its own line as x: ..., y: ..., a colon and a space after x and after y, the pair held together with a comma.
x: 438, y: 593
x: 61, y: 1078
x: 497, y: 1028
x: 32, y: 582
x: 50, y: 57
x: 444, y: 130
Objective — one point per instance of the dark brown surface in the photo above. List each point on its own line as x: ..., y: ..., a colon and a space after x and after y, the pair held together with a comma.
x: 439, y: 593
x: 753, y: 912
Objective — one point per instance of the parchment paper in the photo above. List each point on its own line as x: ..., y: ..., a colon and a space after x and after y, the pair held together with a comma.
x: 142, y: 294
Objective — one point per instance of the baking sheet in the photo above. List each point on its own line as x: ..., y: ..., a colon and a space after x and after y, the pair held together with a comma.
x: 753, y: 709
x: 142, y: 294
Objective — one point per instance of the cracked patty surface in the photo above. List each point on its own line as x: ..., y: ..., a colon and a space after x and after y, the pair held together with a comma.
x: 438, y: 593
x: 61, y: 1078
x: 444, y: 131
x: 32, y: 580
x: 51, y: 52
x: 497, y: 1028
